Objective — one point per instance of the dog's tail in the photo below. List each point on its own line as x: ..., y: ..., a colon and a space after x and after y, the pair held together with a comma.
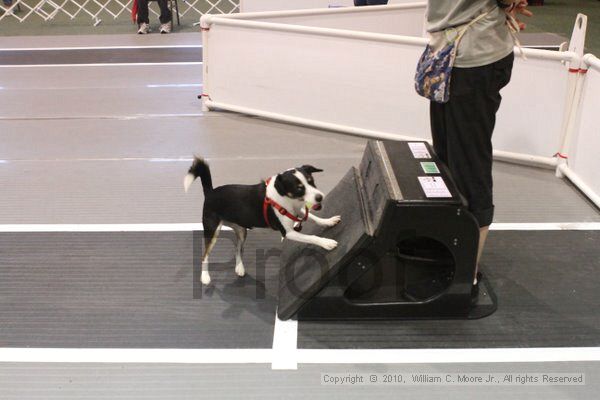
x: 200, y: 169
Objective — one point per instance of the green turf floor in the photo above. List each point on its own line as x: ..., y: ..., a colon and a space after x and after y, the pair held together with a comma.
x: 558, y: 16
x: 555, y: 16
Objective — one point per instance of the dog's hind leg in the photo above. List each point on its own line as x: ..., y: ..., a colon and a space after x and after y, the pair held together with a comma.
x: 240, y: 234
x: 212, y: 227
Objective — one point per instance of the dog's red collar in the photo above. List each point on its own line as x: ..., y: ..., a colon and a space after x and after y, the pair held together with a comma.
x: 270, y: 202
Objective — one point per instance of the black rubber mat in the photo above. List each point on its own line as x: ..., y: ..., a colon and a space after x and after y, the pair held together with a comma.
x: 134, y: 290
x: 101, y: 56
x: 137, y: 290
x: 547, y: 284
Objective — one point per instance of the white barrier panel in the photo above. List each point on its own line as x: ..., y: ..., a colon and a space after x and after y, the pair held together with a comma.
x: 406, y: 19
x: 350, y: 81
x: 362, y: 83
x: 584, y: 149
x: 281, y: 5
x: 531, y: 115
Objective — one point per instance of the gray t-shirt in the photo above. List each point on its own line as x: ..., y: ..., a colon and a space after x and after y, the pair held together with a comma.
x: 485, y: 42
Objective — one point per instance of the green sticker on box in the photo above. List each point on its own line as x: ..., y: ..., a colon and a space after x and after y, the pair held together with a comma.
x: 430, y: 167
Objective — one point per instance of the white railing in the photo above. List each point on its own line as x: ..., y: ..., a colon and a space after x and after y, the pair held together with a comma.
x: 48, y: 10
x: 281, y: 5
x: 351, y: 70
x: 582, y: 165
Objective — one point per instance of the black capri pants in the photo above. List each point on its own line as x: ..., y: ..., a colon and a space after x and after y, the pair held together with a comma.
x: 370, y: 2
x: 165, y: 12
x: 462, y: 131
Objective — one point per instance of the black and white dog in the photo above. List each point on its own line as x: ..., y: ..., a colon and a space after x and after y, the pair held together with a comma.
x: 282, y: 203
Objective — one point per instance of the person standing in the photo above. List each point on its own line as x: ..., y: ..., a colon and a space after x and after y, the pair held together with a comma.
x: 139, y: 14
x: 462, y: 127
x: 370, y: 2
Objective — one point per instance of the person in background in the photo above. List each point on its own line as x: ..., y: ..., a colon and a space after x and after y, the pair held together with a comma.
x: 139, y: 14
x: 462, y: 128
x: 370, y: 2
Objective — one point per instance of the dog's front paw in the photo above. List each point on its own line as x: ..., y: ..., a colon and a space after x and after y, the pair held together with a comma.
x: 205, y: 278
x: 333, y: 221
x: 328, y: 244
x: 240, y: 270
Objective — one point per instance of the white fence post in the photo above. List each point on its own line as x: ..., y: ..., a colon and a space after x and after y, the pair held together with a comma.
x: 205, y: 26
x: 575, y: 82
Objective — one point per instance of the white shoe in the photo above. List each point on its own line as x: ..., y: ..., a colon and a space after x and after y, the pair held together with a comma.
x: 143, y: 28
x: 240, y: 270
x: 205, y: 278
x: 166, y: 28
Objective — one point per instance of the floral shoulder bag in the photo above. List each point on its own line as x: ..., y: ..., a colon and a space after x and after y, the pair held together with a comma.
x: 434, y: 70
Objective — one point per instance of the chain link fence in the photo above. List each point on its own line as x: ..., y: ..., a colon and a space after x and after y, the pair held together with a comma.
x: 96, y: 10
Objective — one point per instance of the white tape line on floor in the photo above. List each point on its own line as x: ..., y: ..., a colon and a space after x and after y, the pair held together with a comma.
x: 302, y: 356
x: 567, y: 226
x: 285, y: 344
x: 174, y: 46
x: 101, y: 64
x: 103, y: 227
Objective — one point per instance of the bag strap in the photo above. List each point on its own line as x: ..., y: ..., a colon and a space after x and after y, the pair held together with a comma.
x: 467, y: 26
x: 513, y: 28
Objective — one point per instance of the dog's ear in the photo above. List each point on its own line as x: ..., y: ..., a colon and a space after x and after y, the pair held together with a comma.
x: 280, y: 185
x: 310, y: 169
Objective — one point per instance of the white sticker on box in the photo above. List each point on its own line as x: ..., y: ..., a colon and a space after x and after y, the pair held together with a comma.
x: 434, y: 186
x: 419, y: 150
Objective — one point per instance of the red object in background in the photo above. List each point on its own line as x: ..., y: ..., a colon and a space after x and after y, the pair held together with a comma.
x: 536, y: 2
x: 134, y: 10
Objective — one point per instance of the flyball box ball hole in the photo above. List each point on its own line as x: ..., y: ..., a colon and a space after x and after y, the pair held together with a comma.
x: 420, y: 268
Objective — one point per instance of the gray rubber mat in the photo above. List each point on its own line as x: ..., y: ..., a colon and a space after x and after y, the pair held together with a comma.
x: 133, y: 290
x: 151, y: 191
x: 213, y: 136
x: 77, y: 103
x: 529, y: 194
x: 94, y: 40
x: 71, y: 92
x: 59, y: 78
x: 97, y: 192
x: 547, y: 288
x: 183, y: 382
x: 100, y: 56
